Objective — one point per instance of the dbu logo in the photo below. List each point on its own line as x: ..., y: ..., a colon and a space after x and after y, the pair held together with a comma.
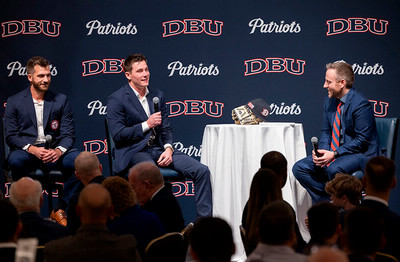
x: 185, y: 188
x: 105, y: 66
x: 195, y: 107
x: 356, y: 25
x: 192, y: 26
x: 30, y: 27
x: 274, y: 65
x: 380, y: 108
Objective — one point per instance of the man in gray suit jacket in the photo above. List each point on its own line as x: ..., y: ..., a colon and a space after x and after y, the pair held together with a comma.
x: 93, y: 241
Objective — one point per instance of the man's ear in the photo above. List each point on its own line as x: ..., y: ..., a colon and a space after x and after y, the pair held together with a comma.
x: 128, y: 75
x: 30, y: 77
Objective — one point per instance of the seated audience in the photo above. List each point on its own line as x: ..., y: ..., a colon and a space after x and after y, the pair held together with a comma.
x: 277, y: 235
x: 211, y: 240
x: 378, y: 181
x: 363, y: 234
x: 93, y: 241
x: 26, y: 195
x: 153, y: 196
x: 87, y: 170
x: 324, y: 226
x: 345, y: 191
x: 10, y: 226
x: 128, y: 217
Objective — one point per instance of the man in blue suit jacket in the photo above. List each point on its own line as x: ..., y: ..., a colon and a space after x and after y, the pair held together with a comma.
x: 141, y: 134
x: 358, y: 136
x: 32, y: 115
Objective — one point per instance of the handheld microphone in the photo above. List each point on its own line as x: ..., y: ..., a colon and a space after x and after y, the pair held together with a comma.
x: 48, y: 141
x: 314, y: 142
x: 156, y: 100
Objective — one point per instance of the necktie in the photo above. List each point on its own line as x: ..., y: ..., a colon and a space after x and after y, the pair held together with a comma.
x: 336, y: 129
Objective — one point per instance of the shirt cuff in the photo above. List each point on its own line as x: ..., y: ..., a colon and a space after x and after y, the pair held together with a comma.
x: 169, y: 146
x: 145, y: 127
x: 62, y: 149
x: 25, y: 148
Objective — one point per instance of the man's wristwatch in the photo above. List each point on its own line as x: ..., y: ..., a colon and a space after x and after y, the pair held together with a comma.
x: 335, y: 154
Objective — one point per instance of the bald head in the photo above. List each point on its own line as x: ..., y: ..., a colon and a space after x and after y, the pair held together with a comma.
x: 87, y: 167
x: 94, y: 205
x: 327, y: 254
x: 26, y: 194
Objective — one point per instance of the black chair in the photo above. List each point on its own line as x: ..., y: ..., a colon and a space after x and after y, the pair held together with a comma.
x: 387, y: 129
x: 168, y: 247
x: 168, y: 173
x: 51, y: 180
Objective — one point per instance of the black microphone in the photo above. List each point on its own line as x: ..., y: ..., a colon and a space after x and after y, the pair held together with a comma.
x: 314, y: 142
x: 156, y: 100
x: 48, y: 141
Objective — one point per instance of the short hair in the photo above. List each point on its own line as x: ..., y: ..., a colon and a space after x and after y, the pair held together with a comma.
x: 132, y: 59
x: 277, y: 162
x: 94, y: 201
x: 9, y: 220
x: 148, y: 171
x: 323, y: 220
x: 23, y: 201
x: 363, y: 230
x: 345, y: 185
x: 86, y: 163
x: 379, y: 173
x: 36, y: 60
x: 344, y: 71
x: 277, y: 223
x: 122, y: 194
x: 211, y: 239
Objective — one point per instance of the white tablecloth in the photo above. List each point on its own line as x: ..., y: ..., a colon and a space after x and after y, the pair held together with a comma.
x: 233, y: 153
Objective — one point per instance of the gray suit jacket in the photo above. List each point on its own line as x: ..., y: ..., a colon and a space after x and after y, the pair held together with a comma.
x: 92, y: 243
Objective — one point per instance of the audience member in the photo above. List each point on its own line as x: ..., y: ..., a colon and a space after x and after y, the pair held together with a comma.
x: 93, y: 241
x: 277, y: 235
x: 378, y: 181
x: 324, y: 226
x: 277, y: 162
x: 87, y: 170
x: 153, y: 196
x: 345, y: 191
x: 328, y: 254
x: 10, y: 226
x: 128, y: 217
x: 26, y: 195
x: 211, y: 240
x: 363, y: 234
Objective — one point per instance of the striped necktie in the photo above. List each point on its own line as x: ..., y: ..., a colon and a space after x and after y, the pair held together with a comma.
x: 336, y: 129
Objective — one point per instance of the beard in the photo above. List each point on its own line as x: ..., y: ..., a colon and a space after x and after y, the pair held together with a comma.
x: 40, y: 87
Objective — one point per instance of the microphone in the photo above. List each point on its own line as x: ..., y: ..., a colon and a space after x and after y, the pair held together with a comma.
x: 48, y: 141
x: 314, y: 142
x: 156, y: 100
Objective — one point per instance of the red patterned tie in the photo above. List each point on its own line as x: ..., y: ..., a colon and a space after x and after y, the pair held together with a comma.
x: 336, y: 129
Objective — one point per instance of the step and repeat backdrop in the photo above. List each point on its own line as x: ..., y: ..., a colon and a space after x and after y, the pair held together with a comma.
x: 207, y: 56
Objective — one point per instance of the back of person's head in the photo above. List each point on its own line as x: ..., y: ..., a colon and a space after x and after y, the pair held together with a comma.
x: 147, y: 171
x: 276, y: 224
x: 345, y: 185
x: 380, y: 174
x: 87, y: 165
x: 211, y: 240
x: 26, y: 194
x: 277, y: 162
x: 9, y: 222
x: 323, y: 222
x: 363, y: 231
x: 94, y: 204
x: 122, y: 194
x: 328, y: 254
x: 265, y: 188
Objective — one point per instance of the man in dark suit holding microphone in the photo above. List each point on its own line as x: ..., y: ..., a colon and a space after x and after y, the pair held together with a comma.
x: 142, y: 133
x: 349, y: 137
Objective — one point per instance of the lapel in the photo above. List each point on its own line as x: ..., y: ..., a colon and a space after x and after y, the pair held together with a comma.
x: 28, y: 102
x: 348, y: 101
x: 150, y: 97
x: 135, y: 102
x: 48, y: 104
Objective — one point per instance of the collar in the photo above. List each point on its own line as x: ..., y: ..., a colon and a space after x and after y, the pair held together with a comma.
x: 344, y: 98
x: 137, y: 93
x: 155, y: 193
x: 377, y: 199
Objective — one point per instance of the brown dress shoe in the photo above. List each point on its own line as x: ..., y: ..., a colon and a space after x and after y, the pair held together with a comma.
x: 59, y: 216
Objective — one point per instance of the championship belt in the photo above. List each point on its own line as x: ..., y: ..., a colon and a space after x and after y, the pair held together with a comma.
x: 252, y: 113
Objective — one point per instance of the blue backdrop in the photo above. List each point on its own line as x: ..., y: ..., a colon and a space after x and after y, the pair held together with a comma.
x: 207, y: 56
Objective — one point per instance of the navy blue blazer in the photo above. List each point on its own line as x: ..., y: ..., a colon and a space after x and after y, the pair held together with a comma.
x: 21, y: 124
x: 358, y: 126
x: 125, y: 116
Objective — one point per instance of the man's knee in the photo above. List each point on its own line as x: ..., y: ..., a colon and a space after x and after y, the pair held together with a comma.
x: 18, y: 159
